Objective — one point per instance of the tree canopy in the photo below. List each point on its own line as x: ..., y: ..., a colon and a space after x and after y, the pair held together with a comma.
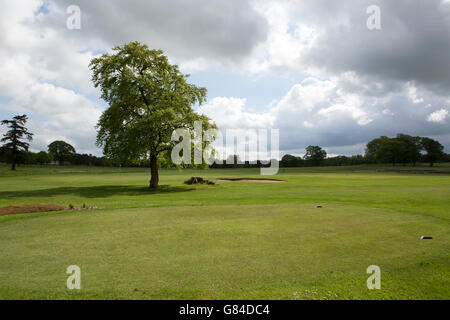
x: 404, y: 149
x: 16, y: 138
x: 61, y: 150
x: 315, y: 154
x: 434, y: 150
x: 148, y: 99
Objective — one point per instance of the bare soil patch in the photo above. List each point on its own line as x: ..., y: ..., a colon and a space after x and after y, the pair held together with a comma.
x: 251, y: 180
x: 30, y: 209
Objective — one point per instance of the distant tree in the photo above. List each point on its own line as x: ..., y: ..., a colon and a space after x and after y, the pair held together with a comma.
x: 373, y: 147
x: 290, y: 161
x: 315, y: 155
x: 434, y: 150
x: 61, y: 151
x: 233, y: 161
x: 413, y: 146
x: 43, y: 157
x: 3, y: 154
x: 148, y: 99
x: 15, y: 138
x: 391, y: 150
x: 27, y: 157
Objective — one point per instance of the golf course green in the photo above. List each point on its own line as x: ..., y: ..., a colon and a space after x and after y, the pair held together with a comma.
x: 312, y: 236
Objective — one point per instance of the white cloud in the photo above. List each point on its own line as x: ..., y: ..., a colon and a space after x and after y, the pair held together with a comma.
x: 39, y: 68
x: 304, y: 114
x: 230, y: 113
x: 438, y: 116
x: 287, y: 39
x: 62, y: 115
x: 319, y: 101
x: 308, y: 124
x: 412, y: 93
x: 321, y: 112
x: 347, y: 104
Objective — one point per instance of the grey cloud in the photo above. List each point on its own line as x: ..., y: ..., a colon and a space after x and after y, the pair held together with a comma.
x: 413, y: 45
x: 341, y: 132
x: 222, y: 30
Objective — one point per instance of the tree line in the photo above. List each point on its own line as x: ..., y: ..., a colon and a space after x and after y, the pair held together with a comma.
x: 405, y: 149
x: 402, y: 149
x: 15, y: 149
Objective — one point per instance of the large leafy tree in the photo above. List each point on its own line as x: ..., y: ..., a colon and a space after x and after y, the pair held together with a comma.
x: 434, y: 150
x: 148, y: 99
x: 16, y: 138
x: 61, y: 150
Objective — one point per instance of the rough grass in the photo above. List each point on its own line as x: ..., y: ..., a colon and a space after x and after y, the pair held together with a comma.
x: 232, y: 240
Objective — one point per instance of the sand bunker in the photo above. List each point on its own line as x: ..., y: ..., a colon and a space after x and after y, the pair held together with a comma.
x: 251, y: 180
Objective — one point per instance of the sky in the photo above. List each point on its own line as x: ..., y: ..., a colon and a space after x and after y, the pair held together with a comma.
x: 312, y: 69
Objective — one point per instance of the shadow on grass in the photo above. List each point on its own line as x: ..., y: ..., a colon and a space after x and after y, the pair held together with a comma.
x: 93, y: 192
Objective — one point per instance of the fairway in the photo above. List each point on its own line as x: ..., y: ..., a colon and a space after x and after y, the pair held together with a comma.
x: 232, y: 240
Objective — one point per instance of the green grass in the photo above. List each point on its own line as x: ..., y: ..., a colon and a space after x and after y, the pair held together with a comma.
x: 232, y: 240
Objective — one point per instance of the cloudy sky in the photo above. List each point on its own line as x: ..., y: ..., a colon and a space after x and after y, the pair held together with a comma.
x: 311, y: 69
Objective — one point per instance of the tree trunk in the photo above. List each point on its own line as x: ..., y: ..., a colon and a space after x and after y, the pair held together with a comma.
x: 13, y: 159
x: 154, y: 180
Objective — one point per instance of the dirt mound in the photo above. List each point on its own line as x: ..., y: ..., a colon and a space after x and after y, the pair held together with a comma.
x: 252, y: 180
x: 30, y: 209
x: 198, y: 180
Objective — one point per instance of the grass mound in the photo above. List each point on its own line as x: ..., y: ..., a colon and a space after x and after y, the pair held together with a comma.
x: 30, y: 209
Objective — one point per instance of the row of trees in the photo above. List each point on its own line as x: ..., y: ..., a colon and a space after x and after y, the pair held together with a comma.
x: 403, y: 149
x: 314, y: 156
x: 46, y: 158
x: 15, y: 149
